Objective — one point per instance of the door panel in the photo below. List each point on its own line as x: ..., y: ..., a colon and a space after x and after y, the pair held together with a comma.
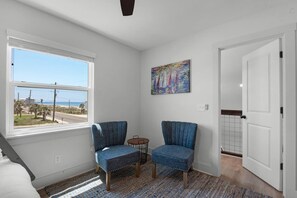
x: 259, y: 137
x: 261, y: 104
x: 258, y: 84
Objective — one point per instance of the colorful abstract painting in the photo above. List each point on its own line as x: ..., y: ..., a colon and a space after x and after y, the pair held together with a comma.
x: 170, y: 79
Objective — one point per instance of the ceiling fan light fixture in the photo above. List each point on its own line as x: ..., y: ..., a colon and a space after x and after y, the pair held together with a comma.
x: 127, y: 7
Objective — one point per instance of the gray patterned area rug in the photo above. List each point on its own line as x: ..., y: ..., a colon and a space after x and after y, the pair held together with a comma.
x: 167, y: 184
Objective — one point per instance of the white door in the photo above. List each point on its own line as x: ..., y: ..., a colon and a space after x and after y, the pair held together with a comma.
x: 261, y: 102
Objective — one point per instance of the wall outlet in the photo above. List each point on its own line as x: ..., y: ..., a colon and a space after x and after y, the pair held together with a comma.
x: 58, y: 159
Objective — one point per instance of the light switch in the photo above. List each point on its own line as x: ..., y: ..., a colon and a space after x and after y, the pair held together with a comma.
x: 202, y: 107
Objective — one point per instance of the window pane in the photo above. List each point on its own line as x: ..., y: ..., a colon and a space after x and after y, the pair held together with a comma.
x: 35, y: 107
x: 36, y: 67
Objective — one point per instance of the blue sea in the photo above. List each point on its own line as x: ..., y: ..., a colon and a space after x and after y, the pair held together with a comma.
x: 72, y: 104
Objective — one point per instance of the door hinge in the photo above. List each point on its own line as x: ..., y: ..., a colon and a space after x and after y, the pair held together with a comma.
x: 281, y: 54
x: 281, y: 166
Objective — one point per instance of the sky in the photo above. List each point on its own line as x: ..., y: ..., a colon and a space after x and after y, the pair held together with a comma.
x: 36, y: 67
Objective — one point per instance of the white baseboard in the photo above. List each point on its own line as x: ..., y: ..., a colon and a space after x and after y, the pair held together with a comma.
x: 41, y: 182
x: 205, y: 168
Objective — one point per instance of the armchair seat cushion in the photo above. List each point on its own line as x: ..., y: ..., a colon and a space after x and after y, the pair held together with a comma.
x: 174, y: 156
x: 115, y: 157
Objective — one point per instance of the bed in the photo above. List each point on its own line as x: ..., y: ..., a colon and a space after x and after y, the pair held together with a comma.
x: 15, y: 180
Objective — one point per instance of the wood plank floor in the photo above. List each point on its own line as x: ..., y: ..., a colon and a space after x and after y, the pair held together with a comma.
x: 42, y: 193
x: 233, y: 171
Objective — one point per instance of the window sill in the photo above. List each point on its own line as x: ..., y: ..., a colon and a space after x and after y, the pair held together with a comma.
x: 46, y: 132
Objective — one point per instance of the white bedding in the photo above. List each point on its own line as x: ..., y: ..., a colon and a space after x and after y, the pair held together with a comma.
x: 15, y: 181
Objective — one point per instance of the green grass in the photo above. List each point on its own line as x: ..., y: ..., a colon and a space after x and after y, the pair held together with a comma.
x: 28, y: 119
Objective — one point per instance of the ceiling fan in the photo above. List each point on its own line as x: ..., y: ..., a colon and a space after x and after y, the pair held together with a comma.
x: 127, y: 7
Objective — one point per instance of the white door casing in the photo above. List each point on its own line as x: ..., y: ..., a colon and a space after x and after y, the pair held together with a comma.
x: 261, y: 100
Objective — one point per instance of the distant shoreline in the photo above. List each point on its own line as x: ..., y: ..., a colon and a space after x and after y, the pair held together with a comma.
x: 62, y: 104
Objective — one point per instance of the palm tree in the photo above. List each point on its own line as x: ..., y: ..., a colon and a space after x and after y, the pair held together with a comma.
x: 44, y: 111
x: 82, y: 108
x: 35, y: 108
x: 18, y: 107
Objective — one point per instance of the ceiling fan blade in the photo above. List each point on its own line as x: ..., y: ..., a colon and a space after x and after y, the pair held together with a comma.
x: 127, y: 7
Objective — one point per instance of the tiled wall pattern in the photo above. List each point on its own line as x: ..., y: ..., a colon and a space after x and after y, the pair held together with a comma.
x: 231, y: 140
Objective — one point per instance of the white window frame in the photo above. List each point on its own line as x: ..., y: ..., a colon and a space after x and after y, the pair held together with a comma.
x: 17, y: 40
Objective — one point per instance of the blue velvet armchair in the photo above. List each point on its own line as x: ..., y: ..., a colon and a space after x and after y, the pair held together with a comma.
x: 178, y: 151
x: 110, y: 152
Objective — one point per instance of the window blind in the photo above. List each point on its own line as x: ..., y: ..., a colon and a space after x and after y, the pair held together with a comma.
x: 21, y: 40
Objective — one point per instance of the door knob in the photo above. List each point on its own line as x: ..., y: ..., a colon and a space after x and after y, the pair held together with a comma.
x: 243, y: 117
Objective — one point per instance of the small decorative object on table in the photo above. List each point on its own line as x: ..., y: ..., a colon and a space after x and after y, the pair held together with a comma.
x: 142, y: 145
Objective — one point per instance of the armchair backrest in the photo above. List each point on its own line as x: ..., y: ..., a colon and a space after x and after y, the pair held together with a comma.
x: 109, y: 134
x: 179, y: 133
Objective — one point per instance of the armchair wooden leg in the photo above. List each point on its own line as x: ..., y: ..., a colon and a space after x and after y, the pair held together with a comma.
x: 191, y: 168
x: 185, y: 179
x: 108, y: 175
x: 97, y: 168
x: 137, y: 169
x: 154, y: 171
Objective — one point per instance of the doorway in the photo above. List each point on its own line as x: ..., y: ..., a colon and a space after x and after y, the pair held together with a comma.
x: 288, y: 33
x: 250, y: 118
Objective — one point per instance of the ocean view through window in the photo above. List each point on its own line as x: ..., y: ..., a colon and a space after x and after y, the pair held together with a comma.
x: 47, y: 91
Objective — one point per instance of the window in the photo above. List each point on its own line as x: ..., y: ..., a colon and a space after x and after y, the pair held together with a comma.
x: 49, y: 89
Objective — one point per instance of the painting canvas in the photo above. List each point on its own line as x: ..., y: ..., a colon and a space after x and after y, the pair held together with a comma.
x: 171, y: 79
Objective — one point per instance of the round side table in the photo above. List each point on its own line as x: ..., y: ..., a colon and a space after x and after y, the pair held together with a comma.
x: 142, y: 145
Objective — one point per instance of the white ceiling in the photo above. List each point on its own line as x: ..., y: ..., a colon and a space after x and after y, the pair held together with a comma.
x: 154, y: 22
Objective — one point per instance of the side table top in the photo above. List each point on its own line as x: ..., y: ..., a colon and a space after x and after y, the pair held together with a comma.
x: 138, y: 140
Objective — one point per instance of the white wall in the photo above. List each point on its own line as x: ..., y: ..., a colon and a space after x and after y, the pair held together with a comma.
x: 231, y: 74
x: 198, y: 48
x: 117, y: 91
